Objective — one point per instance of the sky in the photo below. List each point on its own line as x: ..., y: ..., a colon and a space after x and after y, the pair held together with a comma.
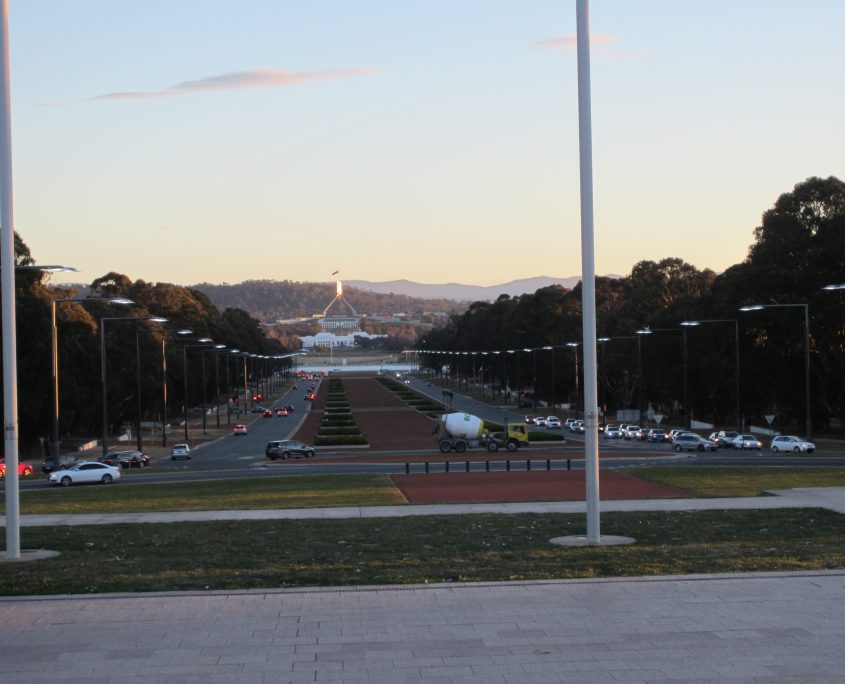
x: 190, y: 141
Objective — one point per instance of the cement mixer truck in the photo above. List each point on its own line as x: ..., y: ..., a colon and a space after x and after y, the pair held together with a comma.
x: 461, y: 431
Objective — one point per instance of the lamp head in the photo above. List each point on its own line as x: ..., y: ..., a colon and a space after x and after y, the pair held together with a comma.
x: 690, y: 324
x: 751, y: 307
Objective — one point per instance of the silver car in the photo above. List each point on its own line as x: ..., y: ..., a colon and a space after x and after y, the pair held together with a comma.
x: 793, y: 444
x: 747, y: 442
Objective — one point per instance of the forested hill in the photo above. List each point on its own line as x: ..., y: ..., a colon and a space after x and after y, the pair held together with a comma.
x: 271, y: 300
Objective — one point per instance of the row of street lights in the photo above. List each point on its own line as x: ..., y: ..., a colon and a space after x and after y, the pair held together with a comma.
x: 682, y: 329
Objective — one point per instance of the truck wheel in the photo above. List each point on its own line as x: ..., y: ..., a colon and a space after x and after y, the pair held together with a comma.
x: 492, y: 446
x: 513, y: 445
x: 460, y: 446
x: 445, y: 446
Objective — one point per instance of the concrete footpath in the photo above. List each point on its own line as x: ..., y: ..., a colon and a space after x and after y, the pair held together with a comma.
x: 737, y: 628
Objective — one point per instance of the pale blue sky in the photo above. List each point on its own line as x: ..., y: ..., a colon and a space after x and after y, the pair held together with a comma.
x: 434, y: 140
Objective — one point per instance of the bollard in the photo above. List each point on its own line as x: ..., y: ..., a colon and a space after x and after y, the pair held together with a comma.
x: 487, y: 466
x: 568, y: 464
x: 528, y: 465
x: 548, y: 464
x: 467, y: 466
x: 407, y: 468
x: 426, y: 467
x: 447, y: 466
x: 508, y: 465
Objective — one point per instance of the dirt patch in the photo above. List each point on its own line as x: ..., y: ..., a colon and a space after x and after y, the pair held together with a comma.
x: 526, y: 486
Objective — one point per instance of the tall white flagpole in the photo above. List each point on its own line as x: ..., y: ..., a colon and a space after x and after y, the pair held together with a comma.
x: 7, y: 279
x: 588, y: 276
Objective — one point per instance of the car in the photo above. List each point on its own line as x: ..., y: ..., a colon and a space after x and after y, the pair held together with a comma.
x: 23, y: 468
x: 530, y: 420
x: 612, y: 432
x: 267, y: 413
x: 239, y: 429
x: 126, y: 459
x: 568, y: 422
x: 657, y: 435
x: 539, y: 421
x: 180, y: 451
x: 552, y: 423
x: 792, y: 443
x: 281, y: 412
x: 631, y: 431
x: 690, y: 441
x: 257, y: 409
x: 578, y: 427
x: 725, y: 438
x: 65, y: 461
x: 288, y: 408
x: 747, y: 442
x: 674, y: 432
x: 407, y: 382
x: 85, y: 471
x: 288, y: 448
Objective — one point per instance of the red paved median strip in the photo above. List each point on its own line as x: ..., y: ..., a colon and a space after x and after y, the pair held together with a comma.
x: 525, y: 486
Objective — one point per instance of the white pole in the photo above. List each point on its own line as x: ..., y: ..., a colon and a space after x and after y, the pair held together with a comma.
x: 7, y: 279
x: 588, y: 276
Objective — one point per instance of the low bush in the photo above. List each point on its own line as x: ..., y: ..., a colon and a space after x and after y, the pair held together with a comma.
x: 545, y: 437
x: 339, y: 430
x: 340, y: 440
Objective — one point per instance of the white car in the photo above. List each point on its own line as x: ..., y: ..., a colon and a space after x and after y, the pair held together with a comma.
x: 631, y: 431
x: 612, y: 432
x: 792, y: 443
x: 747, y: 442
x: 552, y: 423
x: 540, y: 421
x: 86, y: 471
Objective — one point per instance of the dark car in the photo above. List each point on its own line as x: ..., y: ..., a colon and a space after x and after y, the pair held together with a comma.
x: 65, y: 461
x: 657, y: 435
x: 126, y: 459
x: 288, y: 408
x: 288, y: 448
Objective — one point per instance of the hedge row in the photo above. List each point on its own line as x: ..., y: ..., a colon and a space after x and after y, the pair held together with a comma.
x: 338, y: 427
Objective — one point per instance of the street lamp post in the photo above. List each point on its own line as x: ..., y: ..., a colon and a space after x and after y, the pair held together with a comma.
x: 152, y: 319
x: 806, y: 307
x: 575, y: 346
x: 54, y: 345
x: 164, y: 334
x: 204, y: 341
x: 217, y: 348
x: 693, y: 324
x: 649, y: 331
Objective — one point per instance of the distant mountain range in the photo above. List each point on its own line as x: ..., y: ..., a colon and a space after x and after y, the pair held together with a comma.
x: 464, y: 293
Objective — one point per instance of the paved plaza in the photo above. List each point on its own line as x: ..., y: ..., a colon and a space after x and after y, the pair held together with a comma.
x: 716, y: 628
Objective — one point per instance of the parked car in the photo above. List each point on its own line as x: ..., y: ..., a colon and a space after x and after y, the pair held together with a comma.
x: 689, y: 441
x: 24, y: 469
x: 288, y: 448
x: 747, y: 442
x: 539, y: 421
x: 126, y: 459
x: 725, y: 438
x: 552, y: 423
x: 239, y: 429
x: 85, y: 471
x: 65, y: 461
x: 612, y: 432
x: 792, y: 443
x: 180, y: 451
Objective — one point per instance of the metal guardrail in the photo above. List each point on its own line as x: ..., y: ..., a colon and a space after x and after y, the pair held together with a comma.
x: 447, y: 465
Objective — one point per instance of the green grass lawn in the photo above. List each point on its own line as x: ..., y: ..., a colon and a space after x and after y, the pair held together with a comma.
x: 741, y: 481
x: 267, y: 554
x: 306, y: 491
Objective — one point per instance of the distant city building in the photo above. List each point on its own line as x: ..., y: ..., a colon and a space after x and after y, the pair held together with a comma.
x: 328, y: 340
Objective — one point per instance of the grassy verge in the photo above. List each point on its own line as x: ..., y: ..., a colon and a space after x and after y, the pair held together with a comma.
x: 739, y: 481
x: 307, y: 491
x: 240, y: 555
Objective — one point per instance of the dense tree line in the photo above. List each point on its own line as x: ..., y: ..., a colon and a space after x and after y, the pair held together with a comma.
x: 799, y: 248
x: 78, y: 335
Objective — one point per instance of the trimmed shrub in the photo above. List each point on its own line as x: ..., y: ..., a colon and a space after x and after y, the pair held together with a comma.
x: 339, y: 430
x: 340, y: 440
x: 545, y: 437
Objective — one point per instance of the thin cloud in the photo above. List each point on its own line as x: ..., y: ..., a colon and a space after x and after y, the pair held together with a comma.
x: 238, y: 80
x: 601, y: 43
